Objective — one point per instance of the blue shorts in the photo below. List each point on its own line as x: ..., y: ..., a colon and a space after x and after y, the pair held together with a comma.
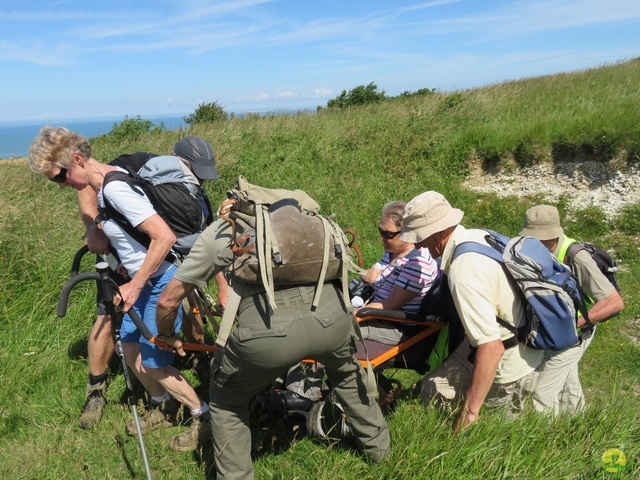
x: 145, y: 306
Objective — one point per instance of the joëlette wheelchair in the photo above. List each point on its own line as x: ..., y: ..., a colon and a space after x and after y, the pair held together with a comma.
x: 427, y: 339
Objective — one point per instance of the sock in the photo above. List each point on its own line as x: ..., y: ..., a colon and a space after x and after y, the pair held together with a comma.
x: 162, y: 398
x: 204, y: 408
x: 94, y: 380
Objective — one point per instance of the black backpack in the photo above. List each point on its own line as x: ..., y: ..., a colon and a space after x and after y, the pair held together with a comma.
x: 606, y: 264
x: 172, y: 189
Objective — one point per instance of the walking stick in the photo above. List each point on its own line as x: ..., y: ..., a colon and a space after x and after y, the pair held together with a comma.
x: 102, y: 276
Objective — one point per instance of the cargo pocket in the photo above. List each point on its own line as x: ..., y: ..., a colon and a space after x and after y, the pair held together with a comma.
x: 221, y: 372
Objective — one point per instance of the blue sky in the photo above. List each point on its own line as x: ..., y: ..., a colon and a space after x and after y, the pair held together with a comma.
x: 76, y: 59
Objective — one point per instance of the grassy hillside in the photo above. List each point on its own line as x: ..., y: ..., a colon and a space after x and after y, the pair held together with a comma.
x: 352, y: 162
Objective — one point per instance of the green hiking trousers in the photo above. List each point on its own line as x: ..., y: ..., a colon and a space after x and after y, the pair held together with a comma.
x: 262, y: 346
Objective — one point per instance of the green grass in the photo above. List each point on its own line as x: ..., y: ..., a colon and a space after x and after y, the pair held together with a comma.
x: 351, y: 161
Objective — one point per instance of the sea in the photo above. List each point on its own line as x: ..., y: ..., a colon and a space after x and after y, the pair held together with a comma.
x: 16, y: 139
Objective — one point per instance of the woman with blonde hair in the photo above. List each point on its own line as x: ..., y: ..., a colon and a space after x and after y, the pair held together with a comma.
x: 64, y: 157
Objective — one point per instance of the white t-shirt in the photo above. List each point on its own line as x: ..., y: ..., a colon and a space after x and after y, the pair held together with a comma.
x: 136, y: 209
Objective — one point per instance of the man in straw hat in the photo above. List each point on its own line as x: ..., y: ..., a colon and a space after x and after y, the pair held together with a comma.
x: 558, y: 387
x: 488, y: 367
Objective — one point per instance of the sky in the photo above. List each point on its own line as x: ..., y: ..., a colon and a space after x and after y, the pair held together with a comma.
x: 79, y: 59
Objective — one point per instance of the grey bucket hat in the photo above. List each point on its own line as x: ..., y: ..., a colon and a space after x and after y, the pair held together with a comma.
x: 542, y: 222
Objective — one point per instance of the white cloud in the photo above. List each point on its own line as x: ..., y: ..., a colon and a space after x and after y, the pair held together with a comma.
x: 322, y: 92
x: 287, y: 94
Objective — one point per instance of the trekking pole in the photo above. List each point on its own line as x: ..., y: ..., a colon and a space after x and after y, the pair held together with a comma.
x: 77, y: 259
x: 102, y: 276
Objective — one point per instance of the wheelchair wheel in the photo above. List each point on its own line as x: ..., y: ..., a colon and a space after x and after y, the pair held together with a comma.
x: 327, y: 419
x: 388, y: 391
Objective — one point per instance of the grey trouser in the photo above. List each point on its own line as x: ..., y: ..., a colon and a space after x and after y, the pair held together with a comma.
x: 450, y: 381
x: 261, y: 347
x: 559, y: 389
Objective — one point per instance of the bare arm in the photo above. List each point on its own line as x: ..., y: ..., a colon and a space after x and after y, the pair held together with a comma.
x: 97, y: 241
x: 167, y: 311
x: 223, y: 289
x: 371, y: 275
x: 162, y: 239
x: 398, y: 298
x: 484, y: 372
x: 604, y: 309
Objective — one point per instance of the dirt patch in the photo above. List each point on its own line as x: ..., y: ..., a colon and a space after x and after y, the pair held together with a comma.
x: 585, y: 183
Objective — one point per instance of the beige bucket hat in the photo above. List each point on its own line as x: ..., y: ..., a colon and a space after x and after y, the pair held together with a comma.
x: 542, y: 222
x: 426, y: 214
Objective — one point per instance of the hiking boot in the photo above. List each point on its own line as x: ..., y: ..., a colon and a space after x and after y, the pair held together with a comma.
x: 93, y: 405
x: 284, y: 402
x: 160, y: 416
x: 194, y: 437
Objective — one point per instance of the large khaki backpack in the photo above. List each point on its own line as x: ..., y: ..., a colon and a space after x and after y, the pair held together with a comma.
x: 279, y: 238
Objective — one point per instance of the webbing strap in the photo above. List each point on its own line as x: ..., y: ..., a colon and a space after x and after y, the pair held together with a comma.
x: 347, y: 263
x: 203, y: 303
x: 372, y: 387
x: 263, y: 249
x: 325, y: 261
x: 228, y: 316
x: 345, y: 282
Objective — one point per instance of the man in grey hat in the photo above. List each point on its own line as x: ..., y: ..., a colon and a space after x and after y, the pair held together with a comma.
x: 558, y: 388
x: 198, y: 155
x: 489, y: 367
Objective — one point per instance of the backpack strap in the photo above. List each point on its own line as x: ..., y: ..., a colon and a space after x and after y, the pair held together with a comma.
x: 572, y: 251
x: 108, y: 212
x: 264, y: 248
x: 493, y: 253
x: 325, y: 261
x: 372, y: 387
x: 568, y: 259
x: 228, y: 315
x: 475, y: 247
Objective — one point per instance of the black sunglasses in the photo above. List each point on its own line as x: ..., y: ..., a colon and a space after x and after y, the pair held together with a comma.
x: 61, y: 177
x: 387, y: 234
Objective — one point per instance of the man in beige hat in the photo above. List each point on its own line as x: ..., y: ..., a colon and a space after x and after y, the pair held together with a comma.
x: 490, y: 367
x: 558, y: 387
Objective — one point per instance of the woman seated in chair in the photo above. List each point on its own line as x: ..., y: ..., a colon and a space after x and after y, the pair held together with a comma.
x: 401, y: 278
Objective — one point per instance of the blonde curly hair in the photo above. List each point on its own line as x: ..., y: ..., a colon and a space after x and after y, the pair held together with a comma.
x: 54, y: 146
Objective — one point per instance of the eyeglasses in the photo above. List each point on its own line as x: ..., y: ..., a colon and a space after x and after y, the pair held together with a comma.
x: 61, y: 177
x: 387, y: 234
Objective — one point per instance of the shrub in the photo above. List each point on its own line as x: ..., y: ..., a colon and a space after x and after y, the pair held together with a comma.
x: 422, y: 92
x: 206, y: 113
x: 131, y: 129
x: 360, y: 95
x: 629, y: 219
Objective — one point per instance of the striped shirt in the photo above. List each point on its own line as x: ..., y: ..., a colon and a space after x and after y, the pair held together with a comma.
x: 414, y: 272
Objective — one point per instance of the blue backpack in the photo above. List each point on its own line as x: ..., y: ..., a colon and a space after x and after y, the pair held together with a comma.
x: 552, y: 297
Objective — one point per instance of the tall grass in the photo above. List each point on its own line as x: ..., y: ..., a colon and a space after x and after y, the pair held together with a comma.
x: 352, y: 162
